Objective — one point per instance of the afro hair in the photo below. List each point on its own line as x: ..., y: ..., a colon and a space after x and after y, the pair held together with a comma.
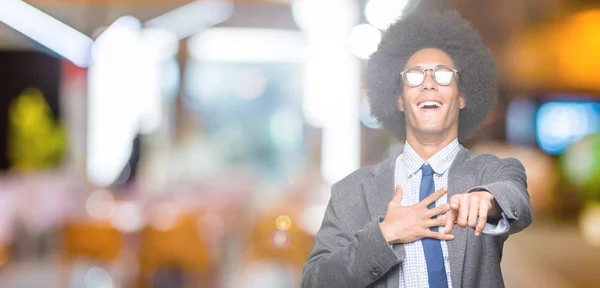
x: 446, y: 31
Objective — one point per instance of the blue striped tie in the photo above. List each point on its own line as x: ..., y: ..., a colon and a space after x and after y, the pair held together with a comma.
x: 432, y: 247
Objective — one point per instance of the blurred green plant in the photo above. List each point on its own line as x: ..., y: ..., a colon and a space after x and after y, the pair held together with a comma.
x: 581, y: 165
x: 35, y: 140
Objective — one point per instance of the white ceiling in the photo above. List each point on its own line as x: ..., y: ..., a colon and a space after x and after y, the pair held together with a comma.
x: 89, y: 18
x: 85, y: 18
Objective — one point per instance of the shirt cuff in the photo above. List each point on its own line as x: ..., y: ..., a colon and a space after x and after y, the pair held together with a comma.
x: 496, y: 229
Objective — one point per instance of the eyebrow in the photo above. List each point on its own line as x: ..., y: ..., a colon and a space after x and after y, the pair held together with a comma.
x: 437, y: 65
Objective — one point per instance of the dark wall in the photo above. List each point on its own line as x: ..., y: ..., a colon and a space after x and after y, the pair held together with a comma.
x: 20, y: 70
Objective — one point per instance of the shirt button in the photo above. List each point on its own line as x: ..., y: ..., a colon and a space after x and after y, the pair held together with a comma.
x: 375, y: 273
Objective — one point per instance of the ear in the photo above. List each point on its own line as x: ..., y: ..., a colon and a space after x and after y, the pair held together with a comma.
x: 400, y: 103
x: 463, y: 101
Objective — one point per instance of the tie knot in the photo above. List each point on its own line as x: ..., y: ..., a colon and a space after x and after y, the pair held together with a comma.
x: 427, y: 170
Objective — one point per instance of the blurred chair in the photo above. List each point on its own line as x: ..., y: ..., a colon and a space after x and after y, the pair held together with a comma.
x: 95, y: 241
x: 275, y: 252
x: 4, y: 254
x: 176, y: 255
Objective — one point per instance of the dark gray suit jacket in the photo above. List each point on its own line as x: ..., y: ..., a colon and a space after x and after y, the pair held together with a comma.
x: 350, y: 250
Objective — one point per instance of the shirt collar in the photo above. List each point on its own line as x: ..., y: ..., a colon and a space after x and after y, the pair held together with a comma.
x: 440, y: 161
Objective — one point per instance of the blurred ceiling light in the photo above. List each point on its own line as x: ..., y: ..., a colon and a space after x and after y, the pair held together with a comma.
x: 325, y: 25
x: 112, y: 103
x: 363, y: 40
x: 191, y: 18
x: 154, y: 48
x: 322, y: 17
x: 559, y: 124
x: 331, y: 81
x: 247, y: 45
x: 124, y: 32
x: 46, y: 30
x: 382, y: 13
x: 125, y: 86
x: 303, y: 12
x: 158, y: 43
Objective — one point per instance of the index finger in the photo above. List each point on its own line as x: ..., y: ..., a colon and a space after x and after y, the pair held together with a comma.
x: 434, y: 197
x: 483, y: 211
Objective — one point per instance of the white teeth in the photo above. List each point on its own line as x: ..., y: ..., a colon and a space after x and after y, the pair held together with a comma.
x: 430, y: 103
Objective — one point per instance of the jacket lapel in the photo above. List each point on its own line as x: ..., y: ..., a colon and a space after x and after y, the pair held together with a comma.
x: 379, y: 190
x: 457, y: 247
x: 379, y: 187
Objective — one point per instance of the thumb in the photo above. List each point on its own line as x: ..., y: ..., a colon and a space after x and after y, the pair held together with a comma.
x: 398, y: 195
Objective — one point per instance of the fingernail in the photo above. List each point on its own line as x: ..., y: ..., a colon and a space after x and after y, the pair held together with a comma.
x: 477, y: 233
x: 451, y: 236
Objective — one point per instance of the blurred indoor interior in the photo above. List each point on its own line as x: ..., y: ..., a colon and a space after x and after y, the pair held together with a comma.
x: 178, y: 143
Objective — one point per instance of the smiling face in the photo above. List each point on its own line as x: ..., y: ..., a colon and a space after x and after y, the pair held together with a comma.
x: 431, y: 110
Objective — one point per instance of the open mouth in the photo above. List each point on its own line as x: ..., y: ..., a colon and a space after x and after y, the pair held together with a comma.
x: 429, y: 105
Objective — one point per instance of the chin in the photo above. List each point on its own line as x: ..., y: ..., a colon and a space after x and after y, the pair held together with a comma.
x: 430, y: 129
x: 430, y: 132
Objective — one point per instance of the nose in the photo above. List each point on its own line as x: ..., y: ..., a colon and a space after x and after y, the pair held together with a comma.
x: 429, y: 84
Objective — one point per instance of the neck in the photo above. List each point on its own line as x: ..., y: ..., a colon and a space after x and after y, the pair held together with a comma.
x: 428, y: 145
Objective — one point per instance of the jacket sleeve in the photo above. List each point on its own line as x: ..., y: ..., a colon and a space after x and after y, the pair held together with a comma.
x: 346, y: 254
x: 509, y: 188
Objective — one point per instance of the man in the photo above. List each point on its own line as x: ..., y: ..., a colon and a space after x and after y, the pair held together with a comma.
x: 431, y: 82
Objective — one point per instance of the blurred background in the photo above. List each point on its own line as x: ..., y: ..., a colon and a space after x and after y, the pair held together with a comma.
x: 193, y: 143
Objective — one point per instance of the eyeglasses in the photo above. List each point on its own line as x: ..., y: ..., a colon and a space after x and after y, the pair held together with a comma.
x: 442, y: 75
